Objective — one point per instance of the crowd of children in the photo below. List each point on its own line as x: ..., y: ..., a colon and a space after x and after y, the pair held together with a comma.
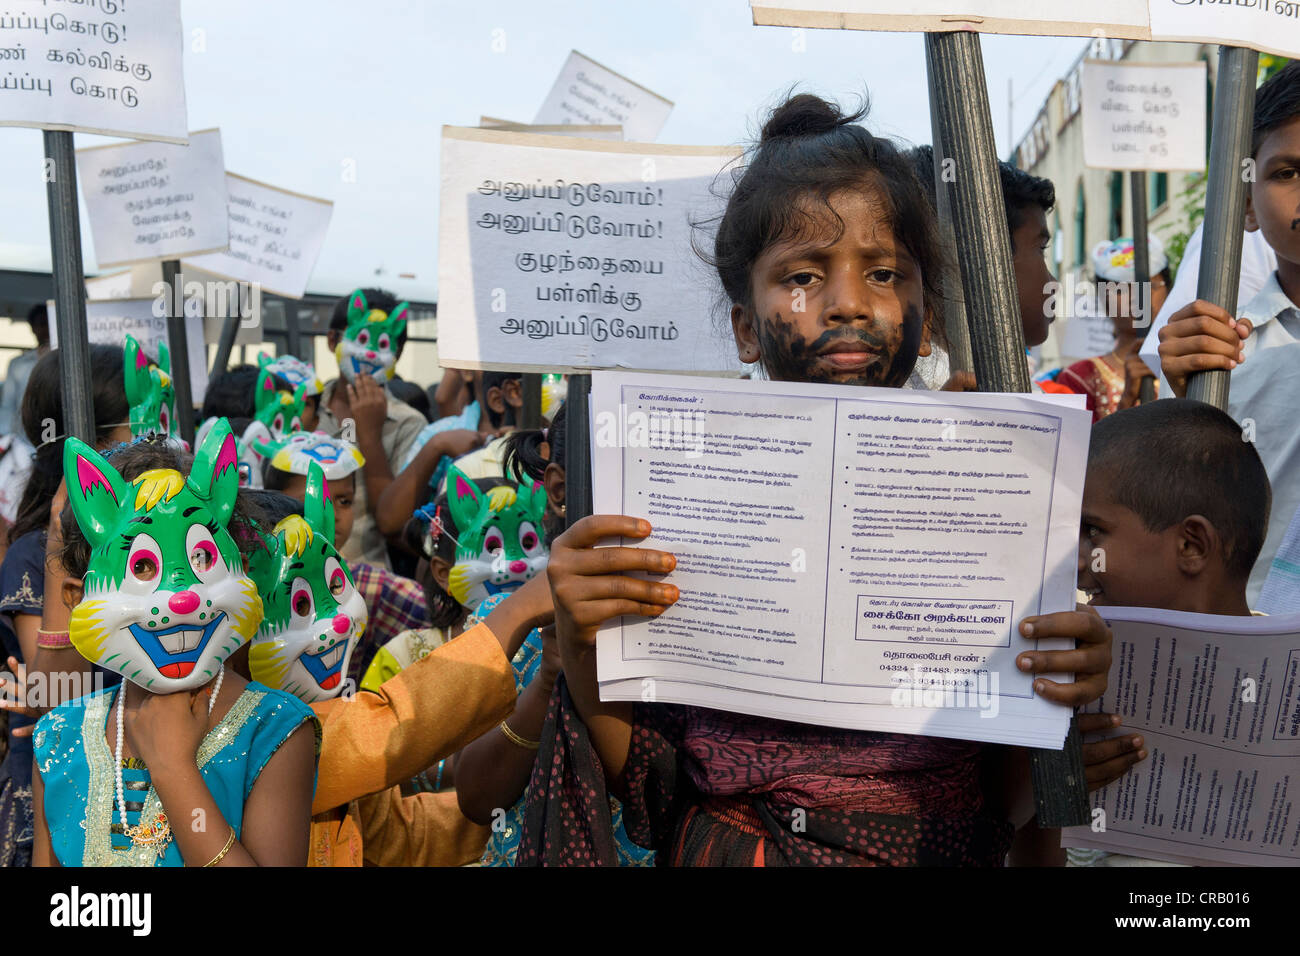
x: 337, y: 633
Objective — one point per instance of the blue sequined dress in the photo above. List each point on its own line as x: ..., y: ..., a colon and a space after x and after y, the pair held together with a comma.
x: 76, y: 767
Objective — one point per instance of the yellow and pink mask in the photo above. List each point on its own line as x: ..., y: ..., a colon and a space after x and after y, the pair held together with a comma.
x: 166, y: 598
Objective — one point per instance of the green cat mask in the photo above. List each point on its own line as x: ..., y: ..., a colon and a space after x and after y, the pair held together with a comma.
x: 500, y: 540
x: 314, y: 615
x: 166, y: 597
x: 369, y: 344
x: 149, y: 390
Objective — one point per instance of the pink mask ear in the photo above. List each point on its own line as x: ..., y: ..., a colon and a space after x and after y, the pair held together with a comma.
x: 89, y: 478
x: 140, y: 361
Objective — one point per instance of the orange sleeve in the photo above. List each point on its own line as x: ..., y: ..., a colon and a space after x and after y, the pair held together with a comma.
x: 427, y: 712
x: 425, y: 829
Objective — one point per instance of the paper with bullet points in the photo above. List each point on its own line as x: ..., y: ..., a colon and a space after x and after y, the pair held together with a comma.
x: 849, y: 556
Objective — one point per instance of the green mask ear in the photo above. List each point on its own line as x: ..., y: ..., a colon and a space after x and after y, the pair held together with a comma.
x: 357, y: 307
x: 95, y: 490
x: 399, y: 317
x: 317, y: 506
x: 214, y: 476
x: 263, y: 360
x: 136, y: 371
x: 534, y: 501
x: 164, y: 359
x: 265, y: 391
x: 464, y: 499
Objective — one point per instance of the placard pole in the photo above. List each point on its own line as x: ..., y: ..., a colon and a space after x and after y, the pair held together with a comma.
x: 226, y: 343
x: 69, y: 286
x: 960, y: 101
x: 178, y: 344
x: 530, y: 415
x: 577, y: 450
x: 954, y: 306
x: 1141, y: 270
x: 1225, y: 201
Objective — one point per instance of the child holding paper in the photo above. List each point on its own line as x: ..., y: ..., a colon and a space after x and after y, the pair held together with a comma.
x: 826, y: 209
x: 1175, y: 507
x: 1202, y: 336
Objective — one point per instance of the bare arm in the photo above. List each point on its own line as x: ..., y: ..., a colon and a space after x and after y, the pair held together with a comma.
x: 589, y: 586
x: 450, y: 397
x: 493, y: 771
x: 402, y: 495
x: 42, y: 851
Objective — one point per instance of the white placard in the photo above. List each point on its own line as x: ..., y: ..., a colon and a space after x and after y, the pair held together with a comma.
x: 152, y: 201
x: 108, y: 322
x: 1216, y: 698
x: 589, y: 94
x: 1115, y: 18
x: 820, y: 583
x: 98, y: 66
x: 1272, y: 26
x: 1140, y: 116
x: 566, y: 254
x: 275, y: 237
x: 614, y: 133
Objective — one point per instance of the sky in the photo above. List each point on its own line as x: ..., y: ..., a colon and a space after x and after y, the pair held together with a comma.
x: 313, y: 94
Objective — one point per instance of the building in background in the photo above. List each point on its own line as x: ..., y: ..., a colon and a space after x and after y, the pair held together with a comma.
x: 1095, y: 204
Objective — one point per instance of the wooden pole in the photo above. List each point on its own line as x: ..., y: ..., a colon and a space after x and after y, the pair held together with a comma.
x: 178, y: 343
x: 69, y: 287
x: 960, y: 100
x: 1225, y: 201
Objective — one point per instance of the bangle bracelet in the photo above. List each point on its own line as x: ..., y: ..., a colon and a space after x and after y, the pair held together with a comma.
x: 53, y: 640
x: 514, y: 738
x: 224, y: 850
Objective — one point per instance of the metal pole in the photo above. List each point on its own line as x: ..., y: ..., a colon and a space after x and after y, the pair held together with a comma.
x: 954, y: 306
x: 1225, y: 201
x: 577, y: 450
x: 69, y: 287
x: 229, y: 330
x: 530, y: 416
x: 960, y: 99
x: 178, y: 344
x: 979, y: 219
x: 1141, y: 270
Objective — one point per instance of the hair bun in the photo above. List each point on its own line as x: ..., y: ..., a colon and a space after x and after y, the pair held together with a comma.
x: 806, y: 115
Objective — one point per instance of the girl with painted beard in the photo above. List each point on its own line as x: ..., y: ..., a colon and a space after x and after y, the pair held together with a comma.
x: 828, y: 254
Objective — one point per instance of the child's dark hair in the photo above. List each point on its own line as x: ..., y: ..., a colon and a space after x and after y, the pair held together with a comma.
x: 1020, y: 190
x: 131, y: 461
x: 1277, y: 102
x: 269, y: 508
x: 42, y: 413
x: 231, y: 393
x: 523, y: 461
x: 380, y: 299
x: 808, y: 147
x: 1176, y: 457
x: 445, y: 610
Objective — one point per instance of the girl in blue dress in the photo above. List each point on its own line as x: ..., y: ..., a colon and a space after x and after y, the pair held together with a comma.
x: 186, y: 763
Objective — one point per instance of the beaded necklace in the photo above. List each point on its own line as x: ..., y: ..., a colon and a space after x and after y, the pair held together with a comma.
x: 158, y: 833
